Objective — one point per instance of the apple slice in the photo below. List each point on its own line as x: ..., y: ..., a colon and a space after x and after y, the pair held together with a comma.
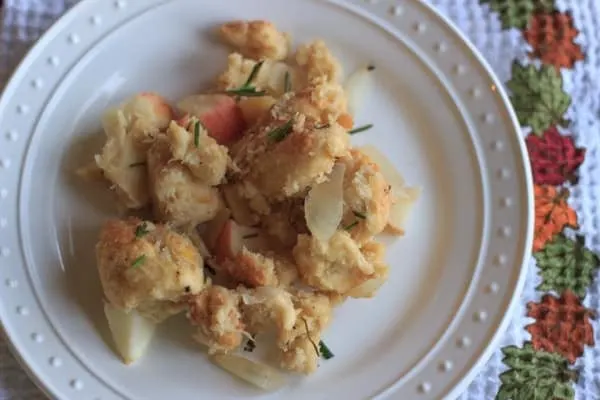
x: 219, y: 113
x: 131, y: 332
x: 234, y: 237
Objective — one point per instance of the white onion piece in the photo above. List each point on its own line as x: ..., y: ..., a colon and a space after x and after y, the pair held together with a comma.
x: 404, y: 196
x: 324, y: 205
x: 404, y: 202
x: 257, y: 374
x: 357, y: 88
x: 388, y: 170
x: 368, y: 288
x: 131, y: 332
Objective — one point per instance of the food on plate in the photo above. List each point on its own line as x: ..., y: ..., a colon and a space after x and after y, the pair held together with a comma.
x: 147, y: 267
x: 261, y: 217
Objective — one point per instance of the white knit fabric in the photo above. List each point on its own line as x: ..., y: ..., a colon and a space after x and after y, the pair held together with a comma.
x: 25, y: 20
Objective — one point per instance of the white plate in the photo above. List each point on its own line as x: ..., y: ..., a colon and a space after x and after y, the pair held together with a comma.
x: 439, y: 113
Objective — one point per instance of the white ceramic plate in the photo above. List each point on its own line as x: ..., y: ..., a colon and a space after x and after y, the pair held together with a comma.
x: 439, y: 113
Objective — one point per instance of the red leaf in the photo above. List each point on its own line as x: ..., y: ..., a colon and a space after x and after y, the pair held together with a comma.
x: 554, y: 158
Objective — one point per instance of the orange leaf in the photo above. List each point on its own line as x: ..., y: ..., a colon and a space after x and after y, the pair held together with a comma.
x: 562, y: 325
x: 551, y: 36
x: 552, y: 214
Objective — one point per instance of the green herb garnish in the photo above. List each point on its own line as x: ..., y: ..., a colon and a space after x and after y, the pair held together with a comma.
x: 141, y: 230
x: 360, y: 129
x: 253, y: 73
x: 281, y: 132
x: 324, y: 351
x: 197, y: 134
x: 352, y: 225
x: 138, y: 261
x: 359, y: 215
x: 137, y: 164
x: 246, y: 91
x: 287, y: 83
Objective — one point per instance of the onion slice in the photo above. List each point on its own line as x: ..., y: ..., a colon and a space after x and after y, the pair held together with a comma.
x: 404, y: 197
x: 131, y: 332
x: 324, y: 205
x: 404, y: 202
x: 367, y: 289
x: 357, y: 88
x: 257, y: 374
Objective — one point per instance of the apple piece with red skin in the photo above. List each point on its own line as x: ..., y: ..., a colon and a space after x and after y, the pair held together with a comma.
x: 219, y: 113
x: 234, y: 237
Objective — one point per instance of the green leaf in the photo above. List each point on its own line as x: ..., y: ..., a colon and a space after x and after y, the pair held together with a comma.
x: 517, y: 13
x: 253, y: 73
x: 281, y: 132
x: 535, y: 375
x: 566, y: 264
x: 538, y: 97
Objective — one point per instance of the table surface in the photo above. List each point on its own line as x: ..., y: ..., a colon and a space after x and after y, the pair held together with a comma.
x: 552, y: 333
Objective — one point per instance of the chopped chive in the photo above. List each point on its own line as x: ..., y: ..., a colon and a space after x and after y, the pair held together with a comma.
x: 360, y: 129
x: 137, y: 164
x: 281, y: 132
x: 309, y: 338
x: 197, y: 134
x: 138, y: 261
x: 253, y: 73
x: 359, y: 215
x: 250, y: 236
x: 324, y: 351
x: 246, y: 91
x: 287, y: 84
x: 352, y: 225
x: 323, y: 126
x: 141, y: 230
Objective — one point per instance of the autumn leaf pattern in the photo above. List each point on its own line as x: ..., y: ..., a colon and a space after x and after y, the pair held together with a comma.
x: 537, y: 97
x: 552, y: 214
x: 554, y: 158
x: 535, y: 375
x: 517, y: 13
x: 566, y: 264
x: 561, y: 328
x: 551, y: 37
x: 562, y: 325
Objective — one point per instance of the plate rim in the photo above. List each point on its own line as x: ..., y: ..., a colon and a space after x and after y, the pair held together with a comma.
x: 491, y: 346
x: 483, y: 356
